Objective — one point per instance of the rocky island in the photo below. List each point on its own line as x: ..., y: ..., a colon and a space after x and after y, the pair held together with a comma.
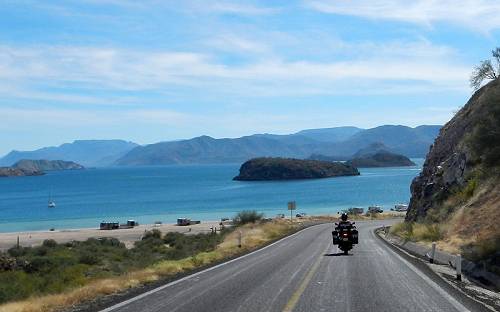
x: 381, y: 159
x: 267, y: 169
x: 28, y: 167
x: 46, y: 165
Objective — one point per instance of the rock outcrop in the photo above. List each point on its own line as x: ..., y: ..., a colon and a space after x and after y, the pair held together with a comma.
x: 27, y: 167
x: 262, y: 169
x: 16, y: 172
x: 46, y: 165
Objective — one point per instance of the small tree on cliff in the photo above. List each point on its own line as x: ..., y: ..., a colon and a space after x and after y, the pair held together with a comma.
x: 486, y: 70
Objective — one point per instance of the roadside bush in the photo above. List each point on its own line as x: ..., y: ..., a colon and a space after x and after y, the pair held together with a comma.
x: 485, y: 138
x: 54, y: 268
x: 49, y: 243
x: 426, y: 232
x: 403, y: 230
x: 88, y: 258
x: 16, y: 252
x: 248, y: 216
x: 411, y: 231
x: 155, y: 233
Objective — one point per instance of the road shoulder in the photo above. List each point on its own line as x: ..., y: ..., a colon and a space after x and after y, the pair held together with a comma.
x: 469, y: 295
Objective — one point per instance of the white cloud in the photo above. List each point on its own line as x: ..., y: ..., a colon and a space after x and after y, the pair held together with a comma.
x: 233, y: 43
x: 476, y: 14
x: 385, y: 68
x: 63, y: 117
x: 236, y: 8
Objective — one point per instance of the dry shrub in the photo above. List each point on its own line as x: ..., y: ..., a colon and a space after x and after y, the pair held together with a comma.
x: 427, y: 232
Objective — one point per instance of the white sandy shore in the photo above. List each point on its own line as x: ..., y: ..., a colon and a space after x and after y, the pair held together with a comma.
x: 128, y: 236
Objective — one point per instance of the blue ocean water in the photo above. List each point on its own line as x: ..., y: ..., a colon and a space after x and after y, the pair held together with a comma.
x: 200, y: 192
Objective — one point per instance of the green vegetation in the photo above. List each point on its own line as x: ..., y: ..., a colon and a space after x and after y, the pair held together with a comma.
x: 54, y: 268
x: 172, y: 244
x: 275, y: 168
x: 248, y: 216
x: 486, y: 136
x: 469, y: 189
x: 486, y: 70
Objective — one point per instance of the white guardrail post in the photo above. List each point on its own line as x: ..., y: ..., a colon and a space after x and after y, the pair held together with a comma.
x: 458, y: 266
x: 239, y: 238
x: 433, y: 252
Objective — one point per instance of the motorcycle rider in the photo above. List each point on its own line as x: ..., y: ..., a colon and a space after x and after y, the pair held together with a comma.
x: 344, y: 222
x: 345, y: 234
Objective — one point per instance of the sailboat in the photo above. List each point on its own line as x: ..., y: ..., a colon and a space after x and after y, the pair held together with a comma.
x: 51, y: 203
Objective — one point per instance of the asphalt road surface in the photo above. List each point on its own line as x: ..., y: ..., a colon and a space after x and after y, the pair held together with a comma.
x: 305, y: 272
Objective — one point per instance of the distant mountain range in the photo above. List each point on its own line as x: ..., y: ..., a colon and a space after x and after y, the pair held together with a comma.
x: 340, y: 143
x: 89, y: 153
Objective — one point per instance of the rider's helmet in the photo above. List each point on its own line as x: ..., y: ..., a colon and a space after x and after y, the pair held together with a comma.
x: 343, y: 216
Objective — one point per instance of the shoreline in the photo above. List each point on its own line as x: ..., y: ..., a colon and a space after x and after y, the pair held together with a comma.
x: 127, y: 236
x: 130, y: 235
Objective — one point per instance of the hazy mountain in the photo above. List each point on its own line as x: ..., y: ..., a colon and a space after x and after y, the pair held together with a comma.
x: 312, y: 136
x: 411, y: 142
x: 90, y: 153
x: 337, y: 134
x: 372, y: 149
x: 206, y: 149
x: 340, y: 143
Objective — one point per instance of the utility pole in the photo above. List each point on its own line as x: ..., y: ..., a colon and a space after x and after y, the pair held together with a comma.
x: 292, y: 206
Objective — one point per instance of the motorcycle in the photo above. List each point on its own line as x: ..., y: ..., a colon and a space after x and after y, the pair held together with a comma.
x: 345, y: 236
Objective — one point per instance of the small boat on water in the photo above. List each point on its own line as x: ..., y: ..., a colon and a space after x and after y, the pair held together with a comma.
x: 51, y: 203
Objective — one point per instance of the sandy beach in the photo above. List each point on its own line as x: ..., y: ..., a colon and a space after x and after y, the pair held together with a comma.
x: 128, y: 236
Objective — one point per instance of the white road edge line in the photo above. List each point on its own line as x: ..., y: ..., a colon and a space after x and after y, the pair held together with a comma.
x: 460, y: 307
x: 152, y: 291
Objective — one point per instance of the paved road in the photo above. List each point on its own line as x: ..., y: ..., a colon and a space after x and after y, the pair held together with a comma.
x: 304, y: 273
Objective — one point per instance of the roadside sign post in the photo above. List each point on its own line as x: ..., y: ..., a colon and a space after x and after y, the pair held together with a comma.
x: 292, y: 206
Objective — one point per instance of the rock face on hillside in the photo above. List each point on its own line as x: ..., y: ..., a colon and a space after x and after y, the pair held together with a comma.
x: 450, y: 161
x: 262, y: 169
x: 381, y: 159
x: 46, y: 165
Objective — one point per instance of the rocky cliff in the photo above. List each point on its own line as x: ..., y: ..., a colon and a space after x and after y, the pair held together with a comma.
x: 260, y: 169
x: 458, y: 189
x: 452, y: 162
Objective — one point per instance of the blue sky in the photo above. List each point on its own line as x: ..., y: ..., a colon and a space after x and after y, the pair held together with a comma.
x: 151, y: 71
